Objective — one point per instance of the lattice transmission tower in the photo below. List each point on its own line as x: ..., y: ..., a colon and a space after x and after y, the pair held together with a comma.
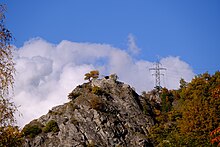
x: 157, y: 74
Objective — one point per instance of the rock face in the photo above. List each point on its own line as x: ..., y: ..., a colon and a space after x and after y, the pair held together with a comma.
x: 103, y: 113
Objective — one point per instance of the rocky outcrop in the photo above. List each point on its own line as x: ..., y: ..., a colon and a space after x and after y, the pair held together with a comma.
x: 104, y: 113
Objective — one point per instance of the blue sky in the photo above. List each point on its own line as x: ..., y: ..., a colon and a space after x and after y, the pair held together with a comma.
x: 77, y: 36
x: 189, y: 29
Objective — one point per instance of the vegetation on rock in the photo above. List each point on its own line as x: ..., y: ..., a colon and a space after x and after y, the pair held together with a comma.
x: 96, y: 103
x: 105, y: 112
x: 51, y: 126
x: 73, y: 95
x: 97, y: 90
x: 33, y: 129
x: 94, y: 74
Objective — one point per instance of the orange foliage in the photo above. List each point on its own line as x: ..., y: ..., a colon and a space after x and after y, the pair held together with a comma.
x: 216, y: 134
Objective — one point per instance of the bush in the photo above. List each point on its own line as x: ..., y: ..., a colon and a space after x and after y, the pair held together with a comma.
x: 51, y: 126
x: 32, y: 130
x: 97, y: 90
x: 97, y: 104
x: 73, y: 95
x: 72, y: 106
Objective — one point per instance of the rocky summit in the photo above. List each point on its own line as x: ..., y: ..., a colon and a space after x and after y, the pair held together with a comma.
x: 102, y: 113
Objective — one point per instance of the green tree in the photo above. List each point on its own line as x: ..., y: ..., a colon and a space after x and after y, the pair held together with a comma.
x: 183, y: 83
x: 167, y: 99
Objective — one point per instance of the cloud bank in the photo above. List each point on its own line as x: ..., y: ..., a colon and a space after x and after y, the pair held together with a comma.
x: 46, y: 72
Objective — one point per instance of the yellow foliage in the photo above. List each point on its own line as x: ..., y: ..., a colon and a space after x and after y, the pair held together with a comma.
x: 94, y: 74
x: 10, y: 137
x: 193, y: 116
x: 7, y: 71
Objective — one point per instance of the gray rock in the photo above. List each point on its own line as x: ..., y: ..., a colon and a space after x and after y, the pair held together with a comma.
x: 102, y: 113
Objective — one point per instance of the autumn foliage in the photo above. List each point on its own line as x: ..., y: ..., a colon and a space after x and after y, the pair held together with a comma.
x: 10, y: 135
x: 189, y: 115
x: 94, y: 74
x: 215, y: 134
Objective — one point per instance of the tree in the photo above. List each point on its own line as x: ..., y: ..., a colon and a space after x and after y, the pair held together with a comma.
x: 167, y: 99
x: 94, y: 74
x: 193, y: 115
x: 7, y: 71
x: 10, y: 137
x: 183, y: 83
x: 9, y: 134
x: 200, y: 110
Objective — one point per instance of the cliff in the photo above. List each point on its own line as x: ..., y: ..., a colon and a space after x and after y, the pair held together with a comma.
x: 103, y: 112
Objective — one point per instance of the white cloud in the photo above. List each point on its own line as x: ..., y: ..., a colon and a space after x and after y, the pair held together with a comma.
x: 46, y: 73
x: 132, y: 47
x: 175, y: 70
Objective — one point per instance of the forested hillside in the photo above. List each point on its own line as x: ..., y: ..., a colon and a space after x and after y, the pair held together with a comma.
x: 189, y: 116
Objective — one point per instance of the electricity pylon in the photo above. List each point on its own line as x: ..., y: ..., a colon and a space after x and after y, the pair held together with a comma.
x: 157, y: 74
